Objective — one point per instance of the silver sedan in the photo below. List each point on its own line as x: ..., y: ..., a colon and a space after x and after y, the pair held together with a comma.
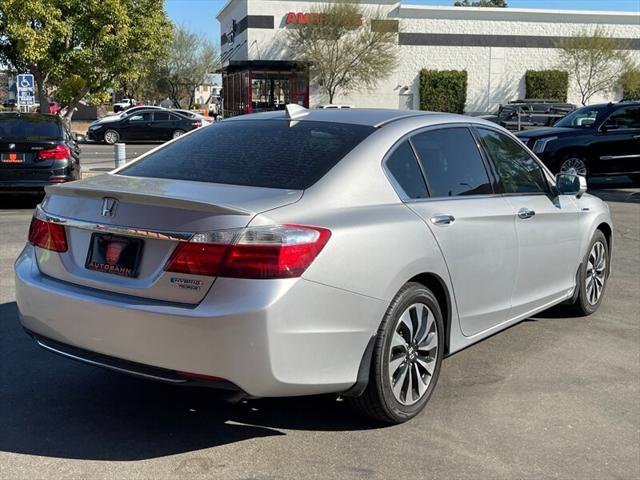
x: 306, y: 252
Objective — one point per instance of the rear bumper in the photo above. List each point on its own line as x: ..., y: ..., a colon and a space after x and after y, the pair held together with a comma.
x: 35, y: 179
x: 269, y: 338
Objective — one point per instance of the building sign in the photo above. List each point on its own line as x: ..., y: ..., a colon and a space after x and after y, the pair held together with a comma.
x: 307, y: 18
x: 26, y: 91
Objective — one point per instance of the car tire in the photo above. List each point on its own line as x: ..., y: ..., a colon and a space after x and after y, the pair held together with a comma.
x: 592, y: 277
x: 415, y: 347
x: 111, y: 137
x: 573, y: 163
x: 177, y: 133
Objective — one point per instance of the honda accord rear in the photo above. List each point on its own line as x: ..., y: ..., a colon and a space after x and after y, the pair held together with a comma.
x: 307, y: 252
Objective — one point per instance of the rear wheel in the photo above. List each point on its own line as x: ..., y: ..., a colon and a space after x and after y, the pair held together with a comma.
x: 177, y: 133
x: 111, y: 137
x: 406, y: 359
x: 593, y: 276
x: 573, y: 164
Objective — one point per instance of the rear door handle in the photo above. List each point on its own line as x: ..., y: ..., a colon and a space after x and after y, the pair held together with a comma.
x: 526, y: 213
x: 442, y: 219
x: 637, y: 137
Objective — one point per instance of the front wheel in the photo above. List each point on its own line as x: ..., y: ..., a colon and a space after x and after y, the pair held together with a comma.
x: 592, y: 277
x: 406, y: 359
x: 111, y: 137
x: 574, y: 165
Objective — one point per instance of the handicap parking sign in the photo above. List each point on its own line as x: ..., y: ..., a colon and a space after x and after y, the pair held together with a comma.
x: 25, y: 87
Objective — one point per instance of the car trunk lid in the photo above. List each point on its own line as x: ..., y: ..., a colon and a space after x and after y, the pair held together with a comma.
x: 152, y: 216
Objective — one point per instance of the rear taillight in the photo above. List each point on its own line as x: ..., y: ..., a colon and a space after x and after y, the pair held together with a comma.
x: 49, y: 236
x: 197, y: 124
x: 59, y: 152
x: 282, y: 251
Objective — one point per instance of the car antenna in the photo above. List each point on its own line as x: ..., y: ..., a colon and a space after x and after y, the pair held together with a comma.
x: 295, y: 111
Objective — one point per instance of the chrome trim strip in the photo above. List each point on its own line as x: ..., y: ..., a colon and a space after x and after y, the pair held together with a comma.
x: 114, y: 229
x: 618, y: 157
x: 111, y: 367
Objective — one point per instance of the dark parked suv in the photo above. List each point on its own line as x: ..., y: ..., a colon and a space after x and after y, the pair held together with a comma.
x: 36, y: 150
x: 145, y: 125
x: 598, y: 140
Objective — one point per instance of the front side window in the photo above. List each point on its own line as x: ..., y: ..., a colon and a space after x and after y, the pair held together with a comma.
x: 585, y: 117
x: 403, y: 166
x: 141, y: 117
x: 452, y: 162
x: 624, y: 119
x: 518, y: 171
x: 257, y: 153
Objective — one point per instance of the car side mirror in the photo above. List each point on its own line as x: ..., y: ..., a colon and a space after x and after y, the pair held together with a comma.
x: 570, y: 184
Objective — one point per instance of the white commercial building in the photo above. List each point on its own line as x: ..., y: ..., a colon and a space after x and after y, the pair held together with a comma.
x: 496, y: 46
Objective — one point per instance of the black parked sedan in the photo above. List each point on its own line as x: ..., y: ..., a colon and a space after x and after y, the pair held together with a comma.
x: 36, y: 150
x: 599, y: 140
x: 143, y: 125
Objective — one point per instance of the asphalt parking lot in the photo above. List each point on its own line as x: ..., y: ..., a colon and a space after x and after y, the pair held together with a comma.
x: 552, y: 397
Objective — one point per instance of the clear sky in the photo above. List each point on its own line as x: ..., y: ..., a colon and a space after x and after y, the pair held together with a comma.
x: 200, y: 15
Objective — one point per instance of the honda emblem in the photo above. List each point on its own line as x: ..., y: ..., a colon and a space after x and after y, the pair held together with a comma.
x: 109, y: 206
x: 12, y: 146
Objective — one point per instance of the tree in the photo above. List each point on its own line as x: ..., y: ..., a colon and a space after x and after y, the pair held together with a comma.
x: 630, y: 83
x: 593, y: 60
x: 482, y: 3
x: 344, y: 46
x: 81, y: 47
x: 190, y: 60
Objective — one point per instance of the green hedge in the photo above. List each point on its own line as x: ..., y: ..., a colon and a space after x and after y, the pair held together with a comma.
x: 630, y: 83
x: 547, y: 84
x: 443, y: 90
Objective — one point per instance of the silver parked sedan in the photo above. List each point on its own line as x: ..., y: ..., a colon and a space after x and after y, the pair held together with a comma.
x: 306, y: 252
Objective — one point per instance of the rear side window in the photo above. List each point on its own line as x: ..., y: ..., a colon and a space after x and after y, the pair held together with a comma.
x: 403, y: 166
x: 29, y: 127
x: 452, y: 163
x: 624, y: 119
x: 258, y: 153
x: 518, y: 171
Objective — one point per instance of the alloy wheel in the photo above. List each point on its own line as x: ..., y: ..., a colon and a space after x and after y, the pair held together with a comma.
x: 413, y: 354
x: 110, y: 137
x: 596, y: 273
x: 574, y: 166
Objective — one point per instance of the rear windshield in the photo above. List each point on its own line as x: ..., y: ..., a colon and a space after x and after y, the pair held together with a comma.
x: 259, y: 153
x: 29, y: 127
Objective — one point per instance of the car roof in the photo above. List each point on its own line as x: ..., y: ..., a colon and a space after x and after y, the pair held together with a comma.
x: 33, y: 116
x: 373, y: 117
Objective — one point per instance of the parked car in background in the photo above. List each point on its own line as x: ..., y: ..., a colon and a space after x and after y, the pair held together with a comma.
x: 146, y: 124
x: 123, y: 114
x: 124, y: 104
x: 529, y: 113
x: 598, y: 140
x: 36, y: 150
x: 195, y: 116
x: 334, y: 106
x: 309, y: 252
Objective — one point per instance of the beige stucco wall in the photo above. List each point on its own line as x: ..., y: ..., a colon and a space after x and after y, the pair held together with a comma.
x: 496, y: 74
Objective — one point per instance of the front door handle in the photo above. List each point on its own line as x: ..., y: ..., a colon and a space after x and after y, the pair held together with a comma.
x: 526, y: 213
x: 637, y: 137
x: 442, y: 219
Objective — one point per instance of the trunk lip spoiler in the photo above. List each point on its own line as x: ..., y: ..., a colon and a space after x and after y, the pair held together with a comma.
x: 145, y: 199
x: 172, y: 235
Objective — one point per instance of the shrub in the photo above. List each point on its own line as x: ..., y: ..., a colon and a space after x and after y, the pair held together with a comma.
x: 443, y: 90
x: 630, y: 83
x: 547, y: 84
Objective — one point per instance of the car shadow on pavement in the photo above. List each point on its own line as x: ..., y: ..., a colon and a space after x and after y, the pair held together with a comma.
x: 55, y: 407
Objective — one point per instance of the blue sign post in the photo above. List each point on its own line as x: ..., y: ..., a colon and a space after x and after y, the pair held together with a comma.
x: 26, y: 90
